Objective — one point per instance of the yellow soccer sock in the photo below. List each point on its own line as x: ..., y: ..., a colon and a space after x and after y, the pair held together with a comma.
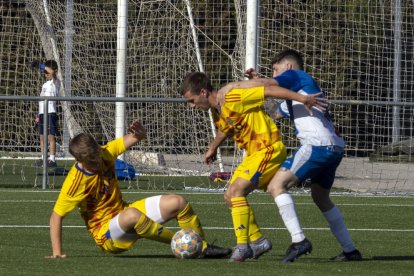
x: 149, y: 229
x: 254, y: 230
x: 187, y: 218
x: 240, y: 211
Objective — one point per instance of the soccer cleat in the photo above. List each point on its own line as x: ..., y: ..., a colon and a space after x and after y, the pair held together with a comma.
x: 241, y: 254
x: 51, y: 164
x: 350, y: 256
x: 260, y: 247
x: 38, y: 163
x: 296, y: 250
x: 215, y: 252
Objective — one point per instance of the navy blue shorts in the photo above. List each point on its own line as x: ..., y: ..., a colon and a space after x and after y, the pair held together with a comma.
x: 318, y: 163
x: 52, y: 122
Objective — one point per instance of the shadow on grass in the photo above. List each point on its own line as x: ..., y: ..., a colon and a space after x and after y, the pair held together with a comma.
x: 145, y: 256
x: 393, y: 258
x: 377, y: 258
x: 55, y: 172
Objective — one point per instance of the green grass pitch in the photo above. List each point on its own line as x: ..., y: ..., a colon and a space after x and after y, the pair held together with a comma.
x: 382, y: 228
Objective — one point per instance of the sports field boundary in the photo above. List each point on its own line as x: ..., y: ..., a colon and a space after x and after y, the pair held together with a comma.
x: 226, y: 228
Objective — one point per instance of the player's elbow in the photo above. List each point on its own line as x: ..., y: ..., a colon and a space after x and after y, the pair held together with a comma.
x: 270, y: 82
x: 55, y: 219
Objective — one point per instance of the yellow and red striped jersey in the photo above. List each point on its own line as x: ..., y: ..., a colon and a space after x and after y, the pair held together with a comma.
x: 97, y: 195
x: 243, y: 116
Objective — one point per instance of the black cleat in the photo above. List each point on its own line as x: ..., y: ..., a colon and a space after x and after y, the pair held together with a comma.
x: 51, y: 164
x: 296, y: 250
x: 350, y: 256
x: 215, y: 252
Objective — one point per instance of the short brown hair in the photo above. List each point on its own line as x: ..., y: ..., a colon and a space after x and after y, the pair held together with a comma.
x: 84, y: 148
x: 194, y: 82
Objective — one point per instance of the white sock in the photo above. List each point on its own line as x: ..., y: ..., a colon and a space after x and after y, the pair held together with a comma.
x: 52, y: 157
x: 338, y: 229
x: 287, y: 211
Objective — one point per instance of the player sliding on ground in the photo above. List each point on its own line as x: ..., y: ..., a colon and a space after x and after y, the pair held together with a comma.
x: 242, y: 117
x: 317, y: 158
x: 114, y: 224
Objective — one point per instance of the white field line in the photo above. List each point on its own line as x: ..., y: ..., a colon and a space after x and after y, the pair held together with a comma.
x: 219, y: 193
x: 228, y: 228
x: 222, y: 202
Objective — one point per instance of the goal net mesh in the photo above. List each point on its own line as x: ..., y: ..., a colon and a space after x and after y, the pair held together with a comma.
x: 353, y: 48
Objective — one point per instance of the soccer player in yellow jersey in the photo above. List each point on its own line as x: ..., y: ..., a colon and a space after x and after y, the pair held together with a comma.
x: 116, y: 225
x: 241, y: 115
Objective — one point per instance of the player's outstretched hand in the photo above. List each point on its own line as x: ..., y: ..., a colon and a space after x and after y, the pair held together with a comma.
x: 210, y: 157
x: 314, y: 101
x: 251, y: 74
x: 56, y: 257
x: 138, y: 130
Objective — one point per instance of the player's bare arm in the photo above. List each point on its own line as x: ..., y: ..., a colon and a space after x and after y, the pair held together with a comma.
x: 136, y: 133
x: 211, y: 155
x: 56, y: 236
x: 308, y: 100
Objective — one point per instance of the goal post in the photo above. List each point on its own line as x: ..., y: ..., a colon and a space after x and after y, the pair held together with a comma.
x: 121, y: 67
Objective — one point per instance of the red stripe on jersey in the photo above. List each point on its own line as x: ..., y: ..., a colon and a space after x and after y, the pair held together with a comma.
x: 75, y: 184
x: 266, y: 159
x: 232, y: 98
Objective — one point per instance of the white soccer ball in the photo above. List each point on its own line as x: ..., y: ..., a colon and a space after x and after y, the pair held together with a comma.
x: 186, y: 244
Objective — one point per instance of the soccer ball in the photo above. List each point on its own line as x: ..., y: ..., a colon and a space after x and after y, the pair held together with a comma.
x: 186, y: 244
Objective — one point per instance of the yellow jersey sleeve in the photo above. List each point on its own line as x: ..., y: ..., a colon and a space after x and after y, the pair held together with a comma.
x: 113, y: 149
x: 72, y: 192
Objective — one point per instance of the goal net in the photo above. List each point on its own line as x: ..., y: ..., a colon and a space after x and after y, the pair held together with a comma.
x: 357, y: 50
x: 161, y: 51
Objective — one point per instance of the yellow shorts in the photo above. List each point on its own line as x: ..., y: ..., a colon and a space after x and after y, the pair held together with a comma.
x: 261, y: 166
x: 104, y: 240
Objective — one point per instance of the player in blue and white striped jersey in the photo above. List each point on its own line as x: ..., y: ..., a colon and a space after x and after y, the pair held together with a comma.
x: 320, y: 153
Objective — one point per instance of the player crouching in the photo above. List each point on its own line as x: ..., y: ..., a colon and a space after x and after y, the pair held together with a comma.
x: 116, y: 225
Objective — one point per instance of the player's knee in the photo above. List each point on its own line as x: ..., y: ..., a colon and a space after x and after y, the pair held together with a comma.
x: 273, y: 190
x: 174, y: 204
x: 276, y: 188
x: 181, y: 202
x: 281, y: 182
x: 324, y: 203
x: 315, y: 199
x: 227, y: 199
x: 231, y: 192
x: 130, y: 216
